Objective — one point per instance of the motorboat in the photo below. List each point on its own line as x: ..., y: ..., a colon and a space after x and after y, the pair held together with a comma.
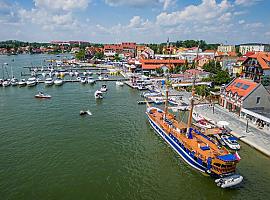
x: 104, y: 88
x: 32, y: 81
x: 43, y: 74
x: 197, y: 117
x: 172, y: 102
x: 76, y: 73
x: 204, y: 124
x: 98, y: 94
x: 119, y: 83
x: 22, y: 83
x: 58, y: 81
x: 83, y: 80
x: 1, y: 82
x: 158, y: 101
x: 106, y: 77
x: 84, y: 73
x: 71, y: 74
x: 151, y: 94
x: 14, y: 82
x: 6, y: 83
x: 90, y: 80
x: 85, y: 112
x: 48, y: 81
x: 90, y: 73
x: 229, y: 181
x: 100, y: 77
x: 231, y: 142
x: 41, y: 95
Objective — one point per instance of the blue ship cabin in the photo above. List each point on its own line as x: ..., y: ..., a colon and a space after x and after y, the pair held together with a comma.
x: 227, y: 158
x: 205, y: 148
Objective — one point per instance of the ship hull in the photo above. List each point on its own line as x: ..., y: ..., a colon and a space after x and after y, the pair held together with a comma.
x: 177, y: 147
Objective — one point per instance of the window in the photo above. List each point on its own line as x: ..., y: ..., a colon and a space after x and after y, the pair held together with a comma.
x: 245, y: 87
x: 258, y: 100
x: 238, y: 85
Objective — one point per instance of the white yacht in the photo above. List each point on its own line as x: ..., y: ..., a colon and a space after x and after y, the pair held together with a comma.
x: 32, y: 81
x: 6, y: 83
x: 231, y: 142
x: 90, y: 80
x: 58, y: 82
x: 83, y: 80
x: 22, y: 83
x: 14, y: 82
x: 98, y: 94
x: 48, y: 81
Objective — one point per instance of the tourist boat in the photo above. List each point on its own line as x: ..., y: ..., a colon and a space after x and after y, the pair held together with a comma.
x: 98, y: 94
x: 119, y: 83
x: 41, y: 95
x: 229, y: 181
x: 90, y: 80
x: 196, y: 149
x: 14, y: 82
x: 83, y: 80
x: 6, y: 83
x: 32, y: 81
x: 231, y: 142
x: 48, y: 81
x: 58, y: 81
x: 22, y: 83
x: 104, y: 88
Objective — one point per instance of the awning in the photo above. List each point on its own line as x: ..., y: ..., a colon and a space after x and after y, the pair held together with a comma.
x: 227, y: 158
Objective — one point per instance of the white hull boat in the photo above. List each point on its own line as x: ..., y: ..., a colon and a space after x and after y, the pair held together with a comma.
x: 229, y: 181
x: 58, y: 82
x: 22, y: 83
x: 6, y: 83
x: 31, y: 82
x: 98, y: 94
x: 104, y: 88
x: 48, y: 81
x: 119, y: 83
x: 230, y: 142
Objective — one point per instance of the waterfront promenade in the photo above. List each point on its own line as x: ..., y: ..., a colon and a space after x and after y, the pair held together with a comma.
x: 256, y: 138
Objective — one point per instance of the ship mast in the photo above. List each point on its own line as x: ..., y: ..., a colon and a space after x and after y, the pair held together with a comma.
x: 192, y: 99
x: 166, y: 81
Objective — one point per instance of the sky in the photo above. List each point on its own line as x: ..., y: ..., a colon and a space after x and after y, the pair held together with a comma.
x: 141, y: 21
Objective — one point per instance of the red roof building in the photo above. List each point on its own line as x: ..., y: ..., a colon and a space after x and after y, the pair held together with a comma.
x: 152, y: 64
x: 243, y: 93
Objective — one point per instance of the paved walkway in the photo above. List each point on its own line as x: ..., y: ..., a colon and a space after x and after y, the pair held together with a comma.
x: 256, y: 138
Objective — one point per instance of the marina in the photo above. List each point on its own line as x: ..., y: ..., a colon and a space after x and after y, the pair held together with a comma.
x: 85, y: 149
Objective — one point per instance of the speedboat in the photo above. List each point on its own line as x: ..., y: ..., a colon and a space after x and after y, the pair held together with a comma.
x: 6, y: 83
x: 22, y: 83
x: 31, y: 82
x: 14, y: 82
x: 85, y: 112
x: 98, y: 94
x: 231, y: 142
x: 229, y: 181
x: 104, y: 88
x: 41, y: 95
x: 83, y: 80
x: 90, y: 80
x: 48, y: 81
x: 58, y: 82
x: 119, y: 83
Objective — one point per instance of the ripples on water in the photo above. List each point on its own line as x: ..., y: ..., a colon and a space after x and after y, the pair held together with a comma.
x: 48, y: 151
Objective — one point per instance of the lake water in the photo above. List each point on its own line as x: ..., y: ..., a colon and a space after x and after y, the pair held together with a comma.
x: 48, y: 151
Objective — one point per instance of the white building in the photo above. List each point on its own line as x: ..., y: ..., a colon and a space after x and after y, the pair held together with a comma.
x: 189, y: 56
x: 226, y: 48
x: 255, y: 47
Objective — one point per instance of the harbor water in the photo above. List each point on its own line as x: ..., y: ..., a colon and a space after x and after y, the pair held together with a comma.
x: 49, y: 151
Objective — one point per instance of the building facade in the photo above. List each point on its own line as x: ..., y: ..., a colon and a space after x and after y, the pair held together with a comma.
x: 254, y: 47
x: 226, y: 48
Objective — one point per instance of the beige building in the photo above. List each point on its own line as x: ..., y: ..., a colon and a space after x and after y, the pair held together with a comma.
x: 226, y: 48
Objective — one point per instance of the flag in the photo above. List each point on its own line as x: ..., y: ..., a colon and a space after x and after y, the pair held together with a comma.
x: 237, y: 156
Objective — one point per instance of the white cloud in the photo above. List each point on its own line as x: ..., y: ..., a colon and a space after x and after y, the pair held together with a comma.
x: 241, y: 21
x: 207, y: 10
x: 246, y: 2
x: 254, y: 25
x: 62, y: 4
x: 141, y: 3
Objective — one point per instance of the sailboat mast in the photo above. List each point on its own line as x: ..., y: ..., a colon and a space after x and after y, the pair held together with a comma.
x: 167, y: 80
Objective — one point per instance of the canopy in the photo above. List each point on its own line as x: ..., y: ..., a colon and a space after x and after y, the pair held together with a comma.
x: 227, y: 158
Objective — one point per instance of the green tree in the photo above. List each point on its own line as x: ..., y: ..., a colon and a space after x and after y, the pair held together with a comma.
x: 99, y: 55
x: 159, y: 71
x: 80, y: 55
x: 116, y: 57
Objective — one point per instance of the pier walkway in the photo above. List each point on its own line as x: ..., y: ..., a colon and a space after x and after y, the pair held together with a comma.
x: 254, y: 137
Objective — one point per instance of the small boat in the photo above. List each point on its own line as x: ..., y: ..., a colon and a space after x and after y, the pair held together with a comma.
x: 151, y: 94
x: 83, y: 80
x: 106, y: 77
x: 231, y: 142
x: 98, y: 94
x: 71, y: 74
x: 158, y: 101
x: 76, y: 73
x: 172, y: 102
x: 90, y: 80
x: 90, y: 73
x: 197, y: 117
x: 100, y: 77
x: 119, y: 83
x: 6, y: 83
x: 58, y: 82
x: 104, y: 88
x: 31, y: 82
x: 229, y: 181
x: 22, y: 83
x: 204, y: 124
x: 142, y: 87
x: 43, y: 74
x: 85, y: 112
x: 14, y: 82
x: 84, y: 73
x: 48, y: 81
x: 41, y: 95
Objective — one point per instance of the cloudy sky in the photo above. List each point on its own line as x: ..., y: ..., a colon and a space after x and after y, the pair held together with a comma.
x: 110, y: 21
